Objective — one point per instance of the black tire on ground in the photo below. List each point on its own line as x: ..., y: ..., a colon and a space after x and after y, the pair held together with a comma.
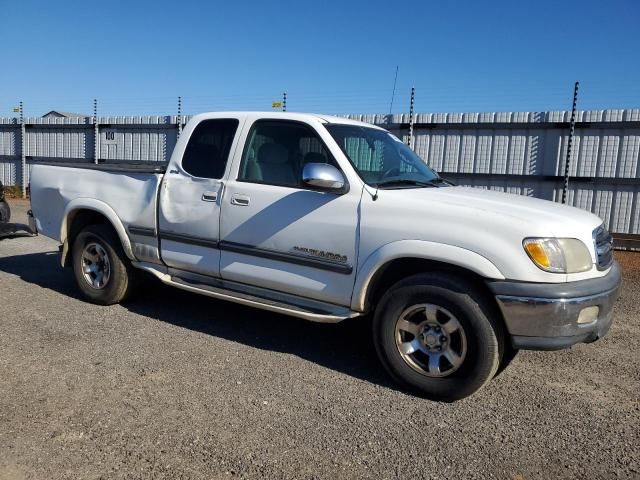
x: 508, y: 355
x: 5, y: 211
x: 120, y: 280
x: 480, y: 324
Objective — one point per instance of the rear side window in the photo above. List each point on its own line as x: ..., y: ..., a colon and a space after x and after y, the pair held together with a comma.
x: 208, y: 148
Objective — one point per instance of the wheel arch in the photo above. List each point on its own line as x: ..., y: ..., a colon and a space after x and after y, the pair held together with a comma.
x: 395, y: 261
x: 87, y: 211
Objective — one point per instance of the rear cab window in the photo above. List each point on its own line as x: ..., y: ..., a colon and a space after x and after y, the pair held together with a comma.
x: 209, y: 146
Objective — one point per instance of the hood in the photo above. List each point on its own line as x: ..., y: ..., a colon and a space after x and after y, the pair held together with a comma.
x: 492, y: 224
x: 546, y: 217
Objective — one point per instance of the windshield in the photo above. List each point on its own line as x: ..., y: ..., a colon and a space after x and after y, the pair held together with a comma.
x: 380, y: 158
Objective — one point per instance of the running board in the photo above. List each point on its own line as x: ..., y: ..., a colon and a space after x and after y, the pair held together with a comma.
x: 307, y: 309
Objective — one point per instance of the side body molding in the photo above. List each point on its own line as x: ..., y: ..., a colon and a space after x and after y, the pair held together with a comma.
x: 440, y: 252
x: 96, y: 205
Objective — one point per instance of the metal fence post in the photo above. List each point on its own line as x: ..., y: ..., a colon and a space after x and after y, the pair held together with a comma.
x: 410, y: 140
x: 572, y: 127
x: 179, y: 116
x: 96, y: 133
x: 23, y: 154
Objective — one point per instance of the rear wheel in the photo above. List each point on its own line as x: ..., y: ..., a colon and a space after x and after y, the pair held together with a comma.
x: 102, y: 270
x: 436, y: 335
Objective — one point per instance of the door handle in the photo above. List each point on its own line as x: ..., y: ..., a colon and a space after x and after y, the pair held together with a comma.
x: 239, y: 199
x: 209, y: 196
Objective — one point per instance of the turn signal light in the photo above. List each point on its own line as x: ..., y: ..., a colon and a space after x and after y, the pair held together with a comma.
x: 538, y: 254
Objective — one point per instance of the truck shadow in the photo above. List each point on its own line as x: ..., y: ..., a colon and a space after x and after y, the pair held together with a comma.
x: 345, y: 347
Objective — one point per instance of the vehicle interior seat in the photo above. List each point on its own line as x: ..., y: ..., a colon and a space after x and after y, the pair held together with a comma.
x: 272, y: 165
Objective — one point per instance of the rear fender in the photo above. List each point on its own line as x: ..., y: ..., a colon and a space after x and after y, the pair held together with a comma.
x: 79, y: 204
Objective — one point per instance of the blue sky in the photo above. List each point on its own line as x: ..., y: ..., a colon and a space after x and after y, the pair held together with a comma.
x: 136, y: 57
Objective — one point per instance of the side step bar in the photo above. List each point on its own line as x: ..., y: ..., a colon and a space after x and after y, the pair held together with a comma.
x: 307, y: 309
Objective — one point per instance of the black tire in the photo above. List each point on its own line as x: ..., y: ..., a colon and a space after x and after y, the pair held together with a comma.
x: 508, y: 355
x: 120, y: 280
x: 5, y: 211
x: 479, y: 323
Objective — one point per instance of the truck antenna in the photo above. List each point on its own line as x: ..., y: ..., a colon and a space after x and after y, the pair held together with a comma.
x: 374, y: 195
x: 393, y: 94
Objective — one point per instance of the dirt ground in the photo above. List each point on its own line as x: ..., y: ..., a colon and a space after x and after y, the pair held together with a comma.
x: 174, y: 385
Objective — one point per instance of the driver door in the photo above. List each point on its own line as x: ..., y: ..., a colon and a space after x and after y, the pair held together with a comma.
x: 280, y: 234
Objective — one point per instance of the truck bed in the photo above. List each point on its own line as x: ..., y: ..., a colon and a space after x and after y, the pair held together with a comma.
x: 128, y: 190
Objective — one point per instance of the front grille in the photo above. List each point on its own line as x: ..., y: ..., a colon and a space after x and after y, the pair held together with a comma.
x: 603, y: 243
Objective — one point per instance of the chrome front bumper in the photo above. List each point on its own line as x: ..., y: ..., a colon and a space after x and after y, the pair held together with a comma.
x: 545, y: 316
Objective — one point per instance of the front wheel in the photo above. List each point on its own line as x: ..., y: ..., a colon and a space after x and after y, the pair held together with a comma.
x: 436, y: 335
x: 102, y: 270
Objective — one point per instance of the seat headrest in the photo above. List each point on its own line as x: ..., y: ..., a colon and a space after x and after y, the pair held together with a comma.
x: 273, y: 153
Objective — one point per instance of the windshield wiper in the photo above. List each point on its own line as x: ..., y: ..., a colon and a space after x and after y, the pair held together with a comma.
x: 440, y: 181
x: 403, y: 181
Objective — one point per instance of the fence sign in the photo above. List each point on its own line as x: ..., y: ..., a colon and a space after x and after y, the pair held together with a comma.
x: 109, y: 136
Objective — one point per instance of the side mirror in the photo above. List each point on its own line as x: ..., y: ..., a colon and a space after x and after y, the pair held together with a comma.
x: 323, y: 176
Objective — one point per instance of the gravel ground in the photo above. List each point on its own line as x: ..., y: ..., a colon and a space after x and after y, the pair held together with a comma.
x: 174, y: 385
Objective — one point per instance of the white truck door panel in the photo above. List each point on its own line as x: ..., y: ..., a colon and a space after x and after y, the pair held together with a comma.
x: 189, y: 225
x: 297, y: 241
x: 278, y: 234
x: 189, y: 213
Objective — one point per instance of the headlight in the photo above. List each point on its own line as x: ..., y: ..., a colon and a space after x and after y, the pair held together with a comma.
x: 558, y: 255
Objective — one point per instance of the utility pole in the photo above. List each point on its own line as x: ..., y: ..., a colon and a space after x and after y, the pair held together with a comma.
x: 572, y: 127
x: 23, y: 155
x: 284, y: 102
x: 179, y: 116
x: 413, y: 96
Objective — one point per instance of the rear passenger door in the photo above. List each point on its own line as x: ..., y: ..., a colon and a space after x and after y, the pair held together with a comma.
x: 276, y: 232
x: 189, y: 206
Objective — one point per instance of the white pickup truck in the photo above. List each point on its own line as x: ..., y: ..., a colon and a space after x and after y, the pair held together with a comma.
x: 327, y: 219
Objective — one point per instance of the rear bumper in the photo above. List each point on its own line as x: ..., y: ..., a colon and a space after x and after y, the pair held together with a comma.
x: 545, y: 316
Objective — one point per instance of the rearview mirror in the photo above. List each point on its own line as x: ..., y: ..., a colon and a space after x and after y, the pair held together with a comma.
x: 323, y: 176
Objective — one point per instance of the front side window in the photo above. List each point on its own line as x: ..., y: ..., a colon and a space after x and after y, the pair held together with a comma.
x: 208, y: 149
x: 276, y: 152
x: 380, y: 158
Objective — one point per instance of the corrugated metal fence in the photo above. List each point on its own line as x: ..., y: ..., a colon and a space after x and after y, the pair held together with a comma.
x: 519, y: 152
